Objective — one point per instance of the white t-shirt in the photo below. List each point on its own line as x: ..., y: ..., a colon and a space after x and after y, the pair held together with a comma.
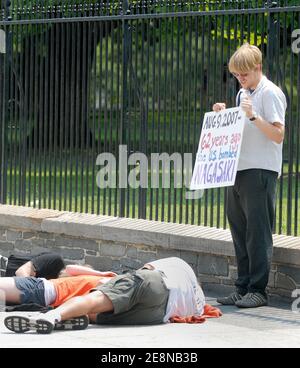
x: 50, y: 292
x: 258, y: 151
x: 186, y: 297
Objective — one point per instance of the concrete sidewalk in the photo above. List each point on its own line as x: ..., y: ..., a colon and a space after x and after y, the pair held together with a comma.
x: 274, y: 326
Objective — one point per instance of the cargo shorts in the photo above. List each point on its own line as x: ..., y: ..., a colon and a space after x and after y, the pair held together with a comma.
x: 139, y: 298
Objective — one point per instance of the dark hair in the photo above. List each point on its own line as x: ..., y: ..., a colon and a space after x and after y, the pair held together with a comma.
x: 48, y: 265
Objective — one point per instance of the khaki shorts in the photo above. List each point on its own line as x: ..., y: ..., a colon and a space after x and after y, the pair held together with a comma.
x: 139, y: 298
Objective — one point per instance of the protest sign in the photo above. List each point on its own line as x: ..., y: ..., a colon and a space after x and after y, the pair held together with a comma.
x: 219, y: 149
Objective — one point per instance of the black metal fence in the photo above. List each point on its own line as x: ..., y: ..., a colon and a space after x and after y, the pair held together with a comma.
x: 80, y: 79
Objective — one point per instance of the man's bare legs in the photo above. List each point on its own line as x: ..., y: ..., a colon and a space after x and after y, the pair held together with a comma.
x: 70, y: 315
x: 9, y: 289
x: 91, y: 304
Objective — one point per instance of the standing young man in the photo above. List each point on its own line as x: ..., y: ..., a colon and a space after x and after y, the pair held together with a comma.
x: 251, y: 201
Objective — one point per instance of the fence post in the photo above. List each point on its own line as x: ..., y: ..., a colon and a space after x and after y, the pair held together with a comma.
x: 271, y: 38
x: 125, y: 107
x: 4, y: 84
x: 139, y: 89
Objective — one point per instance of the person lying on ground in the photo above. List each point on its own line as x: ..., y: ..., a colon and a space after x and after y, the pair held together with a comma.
x: 37, y: 291
x: 151, y: 295
x: 33, y: 290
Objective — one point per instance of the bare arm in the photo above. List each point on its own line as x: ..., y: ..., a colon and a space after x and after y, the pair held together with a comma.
x: 76, y: 270
x: 26, y: 270
x: 273, y: 130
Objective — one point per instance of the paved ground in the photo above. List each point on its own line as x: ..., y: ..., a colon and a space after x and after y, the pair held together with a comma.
x: 265, y: 327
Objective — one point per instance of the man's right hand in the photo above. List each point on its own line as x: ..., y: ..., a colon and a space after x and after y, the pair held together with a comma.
x: 219, y: 106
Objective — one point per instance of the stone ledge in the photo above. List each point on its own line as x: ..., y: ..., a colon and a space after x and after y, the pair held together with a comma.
x: 25, y: 217
x: 165, y: 235
x: 151, y: 233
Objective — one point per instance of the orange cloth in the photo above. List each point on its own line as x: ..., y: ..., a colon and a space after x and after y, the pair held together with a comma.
x: 68, y: 287
x: 209, y: 312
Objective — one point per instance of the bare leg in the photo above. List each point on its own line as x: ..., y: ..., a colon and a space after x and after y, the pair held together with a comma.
x: 90, y: 304
x: 11, y: 292
x: 93, y: 303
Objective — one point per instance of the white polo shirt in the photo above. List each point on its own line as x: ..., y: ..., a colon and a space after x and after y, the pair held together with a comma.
x: 258, y: 151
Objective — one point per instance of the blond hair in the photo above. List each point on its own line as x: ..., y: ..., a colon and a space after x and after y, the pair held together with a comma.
x: 245, y: 59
